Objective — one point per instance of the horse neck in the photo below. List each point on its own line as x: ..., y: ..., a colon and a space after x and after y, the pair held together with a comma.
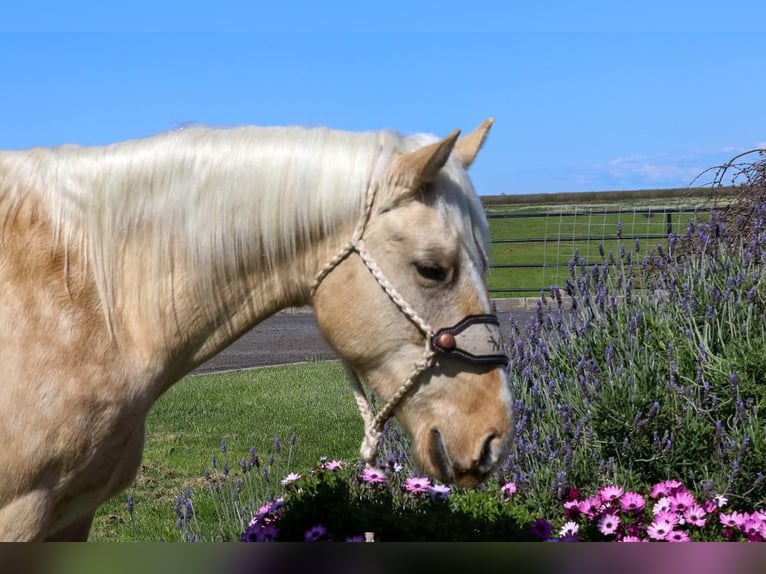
x: 237, y: 257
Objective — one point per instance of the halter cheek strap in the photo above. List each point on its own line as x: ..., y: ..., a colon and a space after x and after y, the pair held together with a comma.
x: 475, y: 339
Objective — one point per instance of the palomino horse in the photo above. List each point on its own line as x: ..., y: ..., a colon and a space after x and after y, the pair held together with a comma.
x: 126, y: 266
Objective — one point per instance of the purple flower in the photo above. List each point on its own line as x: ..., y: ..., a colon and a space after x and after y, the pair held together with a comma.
x: 439, y: 491
x: 315, y: 533
x: 541, y: 529
x: 260, y: 533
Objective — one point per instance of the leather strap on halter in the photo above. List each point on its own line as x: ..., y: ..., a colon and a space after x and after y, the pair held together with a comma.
x: 466, y: 340
x: 470, y: 338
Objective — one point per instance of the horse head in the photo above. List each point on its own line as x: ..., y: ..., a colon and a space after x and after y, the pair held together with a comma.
x: 405, y: 304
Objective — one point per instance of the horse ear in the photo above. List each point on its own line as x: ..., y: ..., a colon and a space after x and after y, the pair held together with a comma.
x: 422, y: 165
x: 466, y: 148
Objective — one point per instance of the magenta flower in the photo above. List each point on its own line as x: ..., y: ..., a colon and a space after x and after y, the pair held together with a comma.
x: 315, y: 533
x: 681, y: 501
x: 508, y: 489
x: 665, y: 488
x: 667, y: 516
x: 372, y: 475
x: 677, y: 536
x: 417, y: 484
x: 610, y: 493
x: 590, y: 506
x: 751, y: 527
x: 571, y: 509
x: 608, y: 524
x: 659, y: 529
x: 732, y: 520
x: 332, y: 465
x: 632, y: 502
x: 695, y: 515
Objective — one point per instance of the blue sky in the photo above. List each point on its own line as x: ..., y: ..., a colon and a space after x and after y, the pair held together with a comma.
x: 596, y: 96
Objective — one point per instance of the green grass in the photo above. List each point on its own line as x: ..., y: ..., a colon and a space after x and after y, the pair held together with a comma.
x: 245, y: 408
x: 563, y: 234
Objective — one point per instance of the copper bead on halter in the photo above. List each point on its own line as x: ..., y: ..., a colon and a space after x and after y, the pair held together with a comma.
x: 447, y: 341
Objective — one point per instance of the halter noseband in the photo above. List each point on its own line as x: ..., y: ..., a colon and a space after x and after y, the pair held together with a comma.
x: 468, y: 340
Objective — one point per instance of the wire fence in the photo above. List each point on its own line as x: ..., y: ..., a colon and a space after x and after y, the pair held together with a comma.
x: 531, y: 250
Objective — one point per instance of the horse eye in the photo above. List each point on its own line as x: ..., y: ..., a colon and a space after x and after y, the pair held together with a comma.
x: 431, y: 271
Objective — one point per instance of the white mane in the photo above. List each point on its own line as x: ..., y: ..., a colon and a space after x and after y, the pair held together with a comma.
x: 237, y: 198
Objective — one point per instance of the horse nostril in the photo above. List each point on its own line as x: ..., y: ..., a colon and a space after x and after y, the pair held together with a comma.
x: 488, y: 456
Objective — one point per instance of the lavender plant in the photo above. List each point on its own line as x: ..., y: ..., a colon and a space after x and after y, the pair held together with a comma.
x: 656, y: 372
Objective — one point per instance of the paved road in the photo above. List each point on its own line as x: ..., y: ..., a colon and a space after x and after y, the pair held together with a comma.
x: 288, y: 338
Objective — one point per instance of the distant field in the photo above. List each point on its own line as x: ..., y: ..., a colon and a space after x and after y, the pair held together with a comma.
x: 534, y: 237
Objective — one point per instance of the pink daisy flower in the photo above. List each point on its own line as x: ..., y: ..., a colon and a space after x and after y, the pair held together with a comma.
x: 508, y: 489
x: 290, y: 478
x: 332, y: 465
x: 681, y: 501
x: 571, y: 509
x: 663, y: 504
x: 665, y: 488
x: 590, y: 506
x: 372, y: 475
x: 417, y: 484
x: 659, y: 529
x: 751, y: 528
x: 695, y: 515
x: 610, y: 493
x: 709, y: 506
x: 631, y: 539
x: 608, y: 524
x: 677, y: 536
x: 732, y: 520
x: 667, y: 516
x: 632, y: 502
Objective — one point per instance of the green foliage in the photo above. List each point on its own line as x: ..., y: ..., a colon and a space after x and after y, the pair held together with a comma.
x: 348, y: 507
x: 634, y: 387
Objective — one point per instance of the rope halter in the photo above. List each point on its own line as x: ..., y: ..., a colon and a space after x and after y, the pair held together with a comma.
x: 460, y: 340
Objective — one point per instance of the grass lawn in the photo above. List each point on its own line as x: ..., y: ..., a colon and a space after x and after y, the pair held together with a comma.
x: 245, y: 409
x: 567, y: 229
